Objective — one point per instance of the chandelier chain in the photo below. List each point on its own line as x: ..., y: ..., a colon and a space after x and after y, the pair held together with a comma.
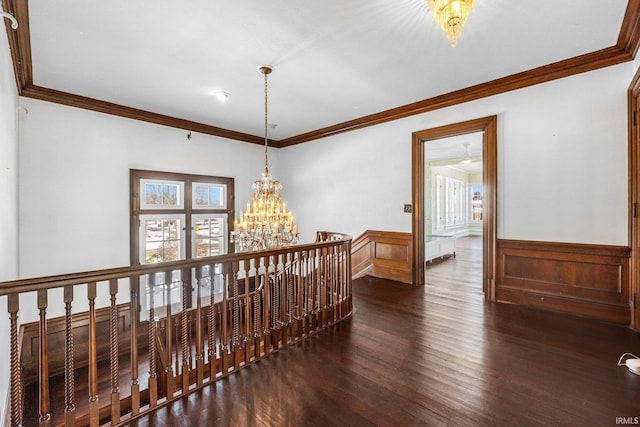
x: 266, y: 124
x: 266, y: 223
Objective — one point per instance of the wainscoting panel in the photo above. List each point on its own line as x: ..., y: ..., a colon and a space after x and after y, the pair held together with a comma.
x: 586, y: 280
x: 383, y: 254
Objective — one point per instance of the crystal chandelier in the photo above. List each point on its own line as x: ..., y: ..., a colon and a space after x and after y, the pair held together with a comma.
x: 451, y: 15
x: 266, y: 223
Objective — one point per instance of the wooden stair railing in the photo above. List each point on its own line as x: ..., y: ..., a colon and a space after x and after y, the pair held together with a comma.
x: 243, y: 307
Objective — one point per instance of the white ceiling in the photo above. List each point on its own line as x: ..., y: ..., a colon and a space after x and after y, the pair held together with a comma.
x: 451, y: 151
x: 334, y: 60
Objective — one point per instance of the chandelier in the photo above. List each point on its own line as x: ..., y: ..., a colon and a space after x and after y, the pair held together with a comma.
x: 451, y: 15
x: 266, y: 223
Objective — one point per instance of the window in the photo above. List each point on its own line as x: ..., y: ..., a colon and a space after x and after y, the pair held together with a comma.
x: 476, y: 202
x: 452, y: 203
x: 177, y: 216
x: 209, y: 196
x: 160, y: 194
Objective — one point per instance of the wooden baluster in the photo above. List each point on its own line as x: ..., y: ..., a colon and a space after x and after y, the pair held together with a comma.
x: 340, y: 283
x: 236, y: 308
x: 295, y: 295
x: 267, y: 308
x: 331, y: 283
x: 299, y: 288
x: 168, y: 370
x: 43, y: 369
x: 224, y: 322
x: 257, y: 311
x: 94, y: 404
x: 246, y: 334
x: 186, y: 341
x: 13, y: 306
x: 69, y: 382
x: 134, y: 305
x: 348, y: 276
x: 275, y: 305
x: 284, y: 299
x: 235, y: 327
x: 325, y: 286
x: 315, y: 286
x: 213, y: 321
x: 199, y: 329
x: 114, y: 353
x: 177, y: 348
x: 309, y: 290
x: 287, y: 305
x: 306, y: 280
x: 153, y: 350
x: 345, y: 280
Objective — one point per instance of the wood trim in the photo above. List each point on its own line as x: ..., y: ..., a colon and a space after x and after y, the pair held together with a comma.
x: 580, y: 279
x: 633, y: 115
x: 629, y: 37
x: 577, y: 65
x: 20, y: 42
x: 383, y: 254
x: 135, y: 211
x: 72, y: 100
x: 624, y: 50
x: 489, y: 127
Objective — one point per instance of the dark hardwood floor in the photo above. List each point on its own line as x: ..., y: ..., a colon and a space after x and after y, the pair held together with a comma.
x: 427, y: 356
x: 431, y: 355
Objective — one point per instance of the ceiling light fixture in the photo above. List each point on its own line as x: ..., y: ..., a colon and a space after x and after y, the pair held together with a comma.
x: 451, y: 15
x: 467, y: 156
x: 221, y: 95
x: 266, y: 224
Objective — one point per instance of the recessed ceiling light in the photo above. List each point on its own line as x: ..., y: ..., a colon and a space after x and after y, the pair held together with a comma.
x: 221, y: 95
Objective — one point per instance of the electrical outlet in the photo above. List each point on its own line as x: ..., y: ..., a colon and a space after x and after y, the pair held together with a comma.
x: 408, y: 208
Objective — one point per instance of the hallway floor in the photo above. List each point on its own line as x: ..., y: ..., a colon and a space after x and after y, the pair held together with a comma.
x: 431, y: 355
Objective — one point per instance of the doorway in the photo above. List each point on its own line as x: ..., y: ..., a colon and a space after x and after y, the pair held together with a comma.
x: 487, y: 126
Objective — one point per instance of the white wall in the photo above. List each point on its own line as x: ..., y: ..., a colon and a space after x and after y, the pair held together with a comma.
x: 74, y: 181
x: 74, y: 186
x: 8, y: 203
x: 562, y: 165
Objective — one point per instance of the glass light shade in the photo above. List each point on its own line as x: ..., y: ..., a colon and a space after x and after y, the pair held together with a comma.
x: 266, y: 223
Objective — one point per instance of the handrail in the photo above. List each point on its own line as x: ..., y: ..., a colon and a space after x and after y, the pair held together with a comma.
x: 61, y: 280
x: 247, y: 305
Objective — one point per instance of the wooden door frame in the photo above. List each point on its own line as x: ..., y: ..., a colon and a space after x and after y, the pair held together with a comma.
x: 489, y: 127
x: 633, y: 98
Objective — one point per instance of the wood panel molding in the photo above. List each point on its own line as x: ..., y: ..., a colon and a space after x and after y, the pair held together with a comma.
x: 580, y: 279
x: 625, y: 50
x: 383, y: 254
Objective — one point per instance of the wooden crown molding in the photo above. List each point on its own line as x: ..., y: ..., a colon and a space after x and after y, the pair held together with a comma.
x: 625, y: 50
x: 65, y: 98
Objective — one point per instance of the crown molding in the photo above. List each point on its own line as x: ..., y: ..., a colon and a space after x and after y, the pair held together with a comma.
x: 65, y: 98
